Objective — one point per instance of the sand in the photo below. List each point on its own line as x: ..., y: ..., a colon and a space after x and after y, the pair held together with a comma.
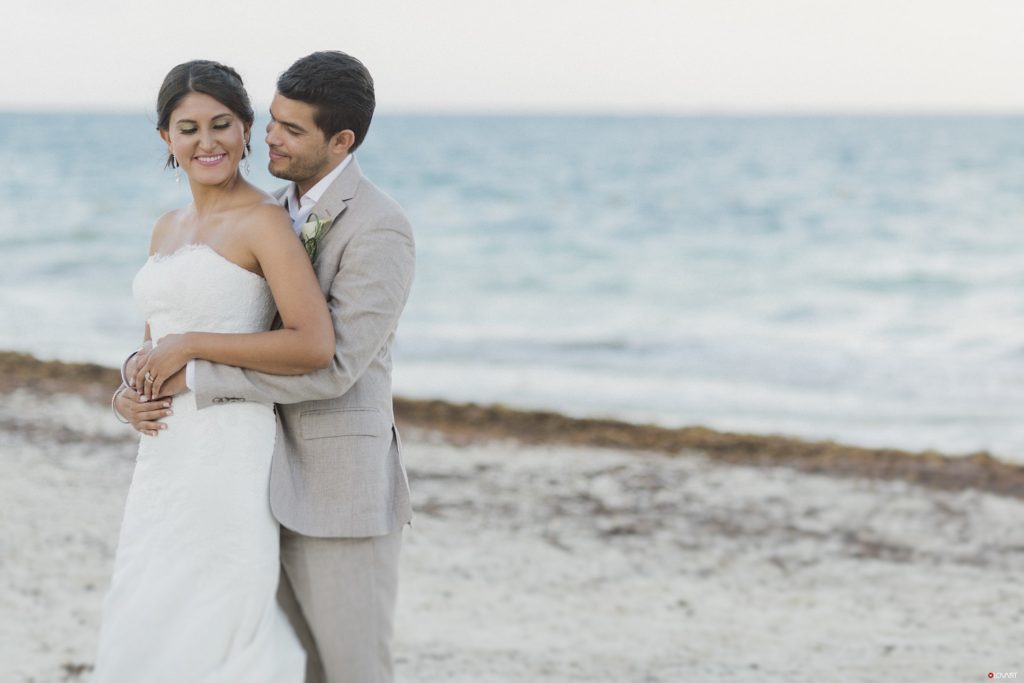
x: 558, y: 562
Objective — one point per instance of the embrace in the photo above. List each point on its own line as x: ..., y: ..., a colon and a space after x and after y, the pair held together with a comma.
x: 262, y: 529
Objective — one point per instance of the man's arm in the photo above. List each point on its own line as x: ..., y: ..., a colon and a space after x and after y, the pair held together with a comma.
x: 366, y: 299
x: 304, y: 341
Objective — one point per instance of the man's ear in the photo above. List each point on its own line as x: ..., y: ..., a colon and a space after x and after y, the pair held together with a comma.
x: 342, y: 142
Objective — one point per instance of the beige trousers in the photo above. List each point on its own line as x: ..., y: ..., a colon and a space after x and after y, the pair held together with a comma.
x: 339, y: 594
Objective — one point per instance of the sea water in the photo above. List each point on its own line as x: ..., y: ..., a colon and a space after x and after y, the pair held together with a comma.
x: 853, y: 278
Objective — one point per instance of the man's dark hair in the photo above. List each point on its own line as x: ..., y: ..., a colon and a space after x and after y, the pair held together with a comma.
x: 338, y: 86
x: 220, y: 82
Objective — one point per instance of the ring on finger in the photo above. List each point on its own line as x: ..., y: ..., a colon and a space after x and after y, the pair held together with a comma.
x: 149, y: 377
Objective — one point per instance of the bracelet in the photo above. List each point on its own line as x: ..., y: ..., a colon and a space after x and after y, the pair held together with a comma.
x: 124, y: 368
x: 113, y: 407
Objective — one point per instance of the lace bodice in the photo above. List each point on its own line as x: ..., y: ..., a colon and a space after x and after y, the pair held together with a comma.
x: 196, y: 289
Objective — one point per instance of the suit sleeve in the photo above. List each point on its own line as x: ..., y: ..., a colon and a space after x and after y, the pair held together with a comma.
x: 366, y: 299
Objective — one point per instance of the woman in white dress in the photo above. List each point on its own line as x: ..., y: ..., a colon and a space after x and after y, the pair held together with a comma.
x: 192, y: 596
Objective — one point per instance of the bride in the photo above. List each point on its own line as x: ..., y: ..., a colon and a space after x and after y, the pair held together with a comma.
x: 192, y: 596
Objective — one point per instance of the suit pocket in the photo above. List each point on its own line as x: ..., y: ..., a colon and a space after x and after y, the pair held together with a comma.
x: 324, y: 424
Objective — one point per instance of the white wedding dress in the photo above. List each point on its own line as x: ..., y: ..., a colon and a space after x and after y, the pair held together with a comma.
x: 192, y: 598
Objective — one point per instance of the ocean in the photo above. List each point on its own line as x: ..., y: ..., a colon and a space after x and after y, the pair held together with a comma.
x: 849, y: 278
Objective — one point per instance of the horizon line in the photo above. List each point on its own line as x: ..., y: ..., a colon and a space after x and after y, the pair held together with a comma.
x: 606, y: 112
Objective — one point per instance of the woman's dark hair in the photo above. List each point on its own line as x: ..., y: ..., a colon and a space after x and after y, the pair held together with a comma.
x: 338, y: 86
x: 220, y: 82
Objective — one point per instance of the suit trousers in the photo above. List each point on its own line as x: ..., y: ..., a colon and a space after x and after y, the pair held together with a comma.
x: 340, y: 594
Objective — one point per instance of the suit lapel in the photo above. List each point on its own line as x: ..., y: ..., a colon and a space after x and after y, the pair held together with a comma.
x: 335, y: 198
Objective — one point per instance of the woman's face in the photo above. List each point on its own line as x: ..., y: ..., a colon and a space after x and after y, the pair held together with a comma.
x: 207, y: 139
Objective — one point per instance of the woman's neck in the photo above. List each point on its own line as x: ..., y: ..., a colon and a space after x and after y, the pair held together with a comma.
x: 212, y: 199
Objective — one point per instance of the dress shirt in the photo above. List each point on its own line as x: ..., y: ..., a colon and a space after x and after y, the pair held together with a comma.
x: 300, y: 208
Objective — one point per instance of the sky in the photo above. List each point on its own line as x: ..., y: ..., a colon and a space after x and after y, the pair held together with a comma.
x: 560, y: 56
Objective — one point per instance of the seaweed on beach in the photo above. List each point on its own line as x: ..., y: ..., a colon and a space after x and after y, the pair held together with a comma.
x: 471, y: 423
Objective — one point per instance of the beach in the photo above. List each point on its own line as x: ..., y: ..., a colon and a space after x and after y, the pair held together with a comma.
x: 546, y: 548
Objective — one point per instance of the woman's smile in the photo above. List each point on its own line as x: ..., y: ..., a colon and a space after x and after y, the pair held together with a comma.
x: 210, y: 159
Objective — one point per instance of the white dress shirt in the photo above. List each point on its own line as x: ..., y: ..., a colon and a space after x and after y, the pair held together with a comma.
x: 299, y: 210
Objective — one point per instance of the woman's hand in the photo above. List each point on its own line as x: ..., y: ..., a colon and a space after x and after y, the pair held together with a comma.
x: 136, y: 361
x: 169, y: 355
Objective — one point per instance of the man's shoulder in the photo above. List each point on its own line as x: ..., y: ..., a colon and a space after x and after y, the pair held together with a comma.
x: 374, y: 204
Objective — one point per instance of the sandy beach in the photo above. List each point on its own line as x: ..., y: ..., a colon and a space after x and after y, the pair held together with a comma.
x: 550, y: 549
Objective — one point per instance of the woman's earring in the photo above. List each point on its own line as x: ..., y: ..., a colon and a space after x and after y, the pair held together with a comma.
x: 177, y: 172
x: 246, y: 168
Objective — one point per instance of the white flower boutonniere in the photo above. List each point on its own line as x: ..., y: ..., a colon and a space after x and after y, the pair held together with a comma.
x: 313, y: 231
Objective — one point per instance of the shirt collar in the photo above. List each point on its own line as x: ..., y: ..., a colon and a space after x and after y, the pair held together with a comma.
x: 297, y: 206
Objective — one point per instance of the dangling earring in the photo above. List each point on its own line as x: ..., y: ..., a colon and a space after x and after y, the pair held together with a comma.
x: 177, y: 171
x: 246, y: 152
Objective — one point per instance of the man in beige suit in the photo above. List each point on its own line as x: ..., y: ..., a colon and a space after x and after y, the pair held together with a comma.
x: 337, y: 486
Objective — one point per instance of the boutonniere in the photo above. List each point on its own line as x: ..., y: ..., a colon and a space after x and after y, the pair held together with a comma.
x: 312, y: 232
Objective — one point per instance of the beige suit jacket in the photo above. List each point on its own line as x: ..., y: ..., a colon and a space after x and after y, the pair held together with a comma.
x: 334, y: 473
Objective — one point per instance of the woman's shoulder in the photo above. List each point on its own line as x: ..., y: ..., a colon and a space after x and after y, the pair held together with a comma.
x: 164, y: 225
x: 265, y: 213
x: 262, y: 222
x: 168, y: 219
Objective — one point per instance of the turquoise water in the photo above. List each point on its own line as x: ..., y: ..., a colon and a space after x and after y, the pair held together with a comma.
x: 851, y: 278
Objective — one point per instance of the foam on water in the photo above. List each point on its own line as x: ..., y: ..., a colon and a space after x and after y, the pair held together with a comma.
x: 849, y: 278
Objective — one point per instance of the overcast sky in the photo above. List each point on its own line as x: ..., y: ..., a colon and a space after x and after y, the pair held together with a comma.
x: 538, y: 55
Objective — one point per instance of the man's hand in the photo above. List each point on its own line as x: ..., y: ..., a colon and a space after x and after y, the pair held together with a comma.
x: 144, y: 416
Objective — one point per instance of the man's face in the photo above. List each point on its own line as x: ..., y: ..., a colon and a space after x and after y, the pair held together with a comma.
x: 298, y: 149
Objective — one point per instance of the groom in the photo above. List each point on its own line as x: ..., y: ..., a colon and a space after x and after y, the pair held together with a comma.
x: 337, y: 486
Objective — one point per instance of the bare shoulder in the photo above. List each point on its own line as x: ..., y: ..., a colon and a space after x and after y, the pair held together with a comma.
x: 265, y: 227
x: 266, y: 215
x: 164, y: 226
